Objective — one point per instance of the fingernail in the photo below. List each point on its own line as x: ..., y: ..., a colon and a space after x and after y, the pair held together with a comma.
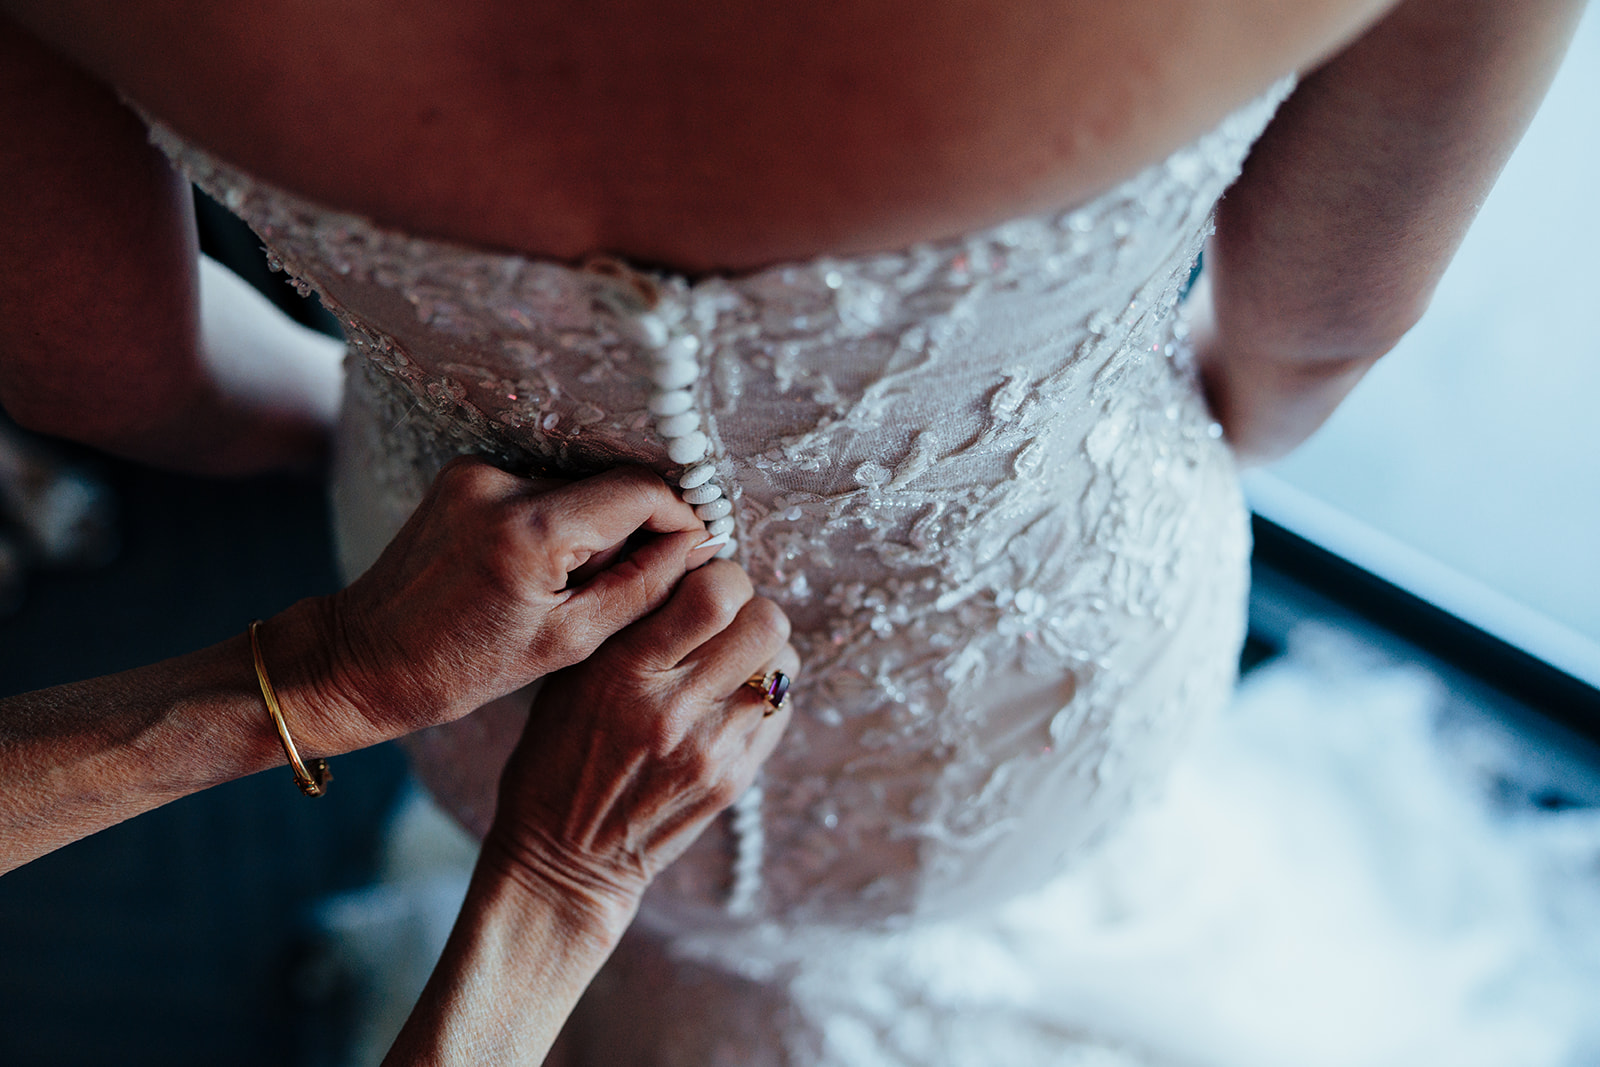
x: 712, y: 542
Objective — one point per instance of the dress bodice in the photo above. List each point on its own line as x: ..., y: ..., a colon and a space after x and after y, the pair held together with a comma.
x: 976, y: 473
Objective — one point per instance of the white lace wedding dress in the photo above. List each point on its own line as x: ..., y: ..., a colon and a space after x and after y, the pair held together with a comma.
x: 979, y: 477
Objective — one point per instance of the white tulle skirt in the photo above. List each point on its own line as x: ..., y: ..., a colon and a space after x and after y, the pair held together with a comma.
x: 1328, y: 881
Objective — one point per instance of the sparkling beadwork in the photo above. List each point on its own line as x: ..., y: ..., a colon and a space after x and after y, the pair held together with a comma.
x: 718, y: 527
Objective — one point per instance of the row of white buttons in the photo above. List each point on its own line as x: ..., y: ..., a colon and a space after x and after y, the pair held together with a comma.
x: 675, y: 367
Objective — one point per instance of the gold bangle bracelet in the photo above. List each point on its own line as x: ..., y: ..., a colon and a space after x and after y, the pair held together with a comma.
x: 312, y: 779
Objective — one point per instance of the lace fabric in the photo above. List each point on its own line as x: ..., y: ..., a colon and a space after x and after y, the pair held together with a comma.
x: 977, y: 474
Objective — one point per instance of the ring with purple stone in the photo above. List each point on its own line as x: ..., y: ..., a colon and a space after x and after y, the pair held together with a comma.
x: 773, y: 687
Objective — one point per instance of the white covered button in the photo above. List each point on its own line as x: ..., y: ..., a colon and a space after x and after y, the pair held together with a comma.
x: 689, y: 448
x: 675, y: 373
x: 702, y: 494
x: 716, y: 509
x: 681, y: 347
x: 678, y: 425
x: 647, y: 330
x: 674, y: 403
x: 697, y: 476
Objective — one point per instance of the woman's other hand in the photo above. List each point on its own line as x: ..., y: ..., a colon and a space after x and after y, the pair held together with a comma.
x: 630, y: 754
x: 624, y: 760
x: 494, y: 581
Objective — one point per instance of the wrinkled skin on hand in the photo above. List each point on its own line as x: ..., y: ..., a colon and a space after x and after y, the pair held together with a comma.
x: 495, y: 581
x: 627, y: 756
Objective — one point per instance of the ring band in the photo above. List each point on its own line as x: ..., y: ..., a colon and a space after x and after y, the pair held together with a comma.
x: 773, y: 687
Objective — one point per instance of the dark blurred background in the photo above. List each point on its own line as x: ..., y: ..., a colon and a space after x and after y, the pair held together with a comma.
x: 185, y: 936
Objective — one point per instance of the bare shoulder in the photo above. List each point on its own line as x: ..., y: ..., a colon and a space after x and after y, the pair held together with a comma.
x: 708, y: 135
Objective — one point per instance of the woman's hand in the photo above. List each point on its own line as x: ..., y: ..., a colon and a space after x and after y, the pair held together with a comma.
x: 495, y: 580
x: 627, y: 756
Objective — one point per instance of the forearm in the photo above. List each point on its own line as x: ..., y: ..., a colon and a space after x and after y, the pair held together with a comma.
x: 202, y: 430
x: 260, y: 392
x: 516, y: 963
x: 77, y: 758
x: 100, y: 336
x: 1352, y: 204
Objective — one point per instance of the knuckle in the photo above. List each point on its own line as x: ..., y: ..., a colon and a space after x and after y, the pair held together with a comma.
x: 725, y: 788
x: 457, y: 467
x: 718, y: 592
x: 633, y: 489
x: 700, y: 766
x: 536, y: 524
x: 571, y: 642
x: 519, y: 547
x: 500, y: 547
x: 469, y: 476
x: 767, y: 620
x: 550, y: 532
x: 721, y: 607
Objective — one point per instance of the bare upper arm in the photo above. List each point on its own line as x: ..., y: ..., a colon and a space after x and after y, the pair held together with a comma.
x: 1329, y: 246
x: 98, y: 320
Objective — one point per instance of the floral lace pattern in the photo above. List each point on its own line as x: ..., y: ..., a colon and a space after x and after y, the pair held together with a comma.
x: 977, y: 474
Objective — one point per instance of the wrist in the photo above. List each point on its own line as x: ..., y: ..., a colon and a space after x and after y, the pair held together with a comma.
x: 300, y: 647
x: 597, y: 904
x: 519, y: 957
x: 587, y: 929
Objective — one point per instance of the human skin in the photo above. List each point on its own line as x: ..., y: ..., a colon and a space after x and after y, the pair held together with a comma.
x: 722, y: 138
x: 729, y: 136
x: 469, y: 602
x: 642, y: 735
x: 718, y: 136
x: 1330, y: 244
x: 592, y: 807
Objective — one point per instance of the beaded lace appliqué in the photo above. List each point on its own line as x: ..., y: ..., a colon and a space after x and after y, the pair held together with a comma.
x: 974, y: 473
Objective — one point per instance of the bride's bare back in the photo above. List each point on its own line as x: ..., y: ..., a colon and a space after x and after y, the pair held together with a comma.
x: 725, y: 136
x: 717, y: 135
